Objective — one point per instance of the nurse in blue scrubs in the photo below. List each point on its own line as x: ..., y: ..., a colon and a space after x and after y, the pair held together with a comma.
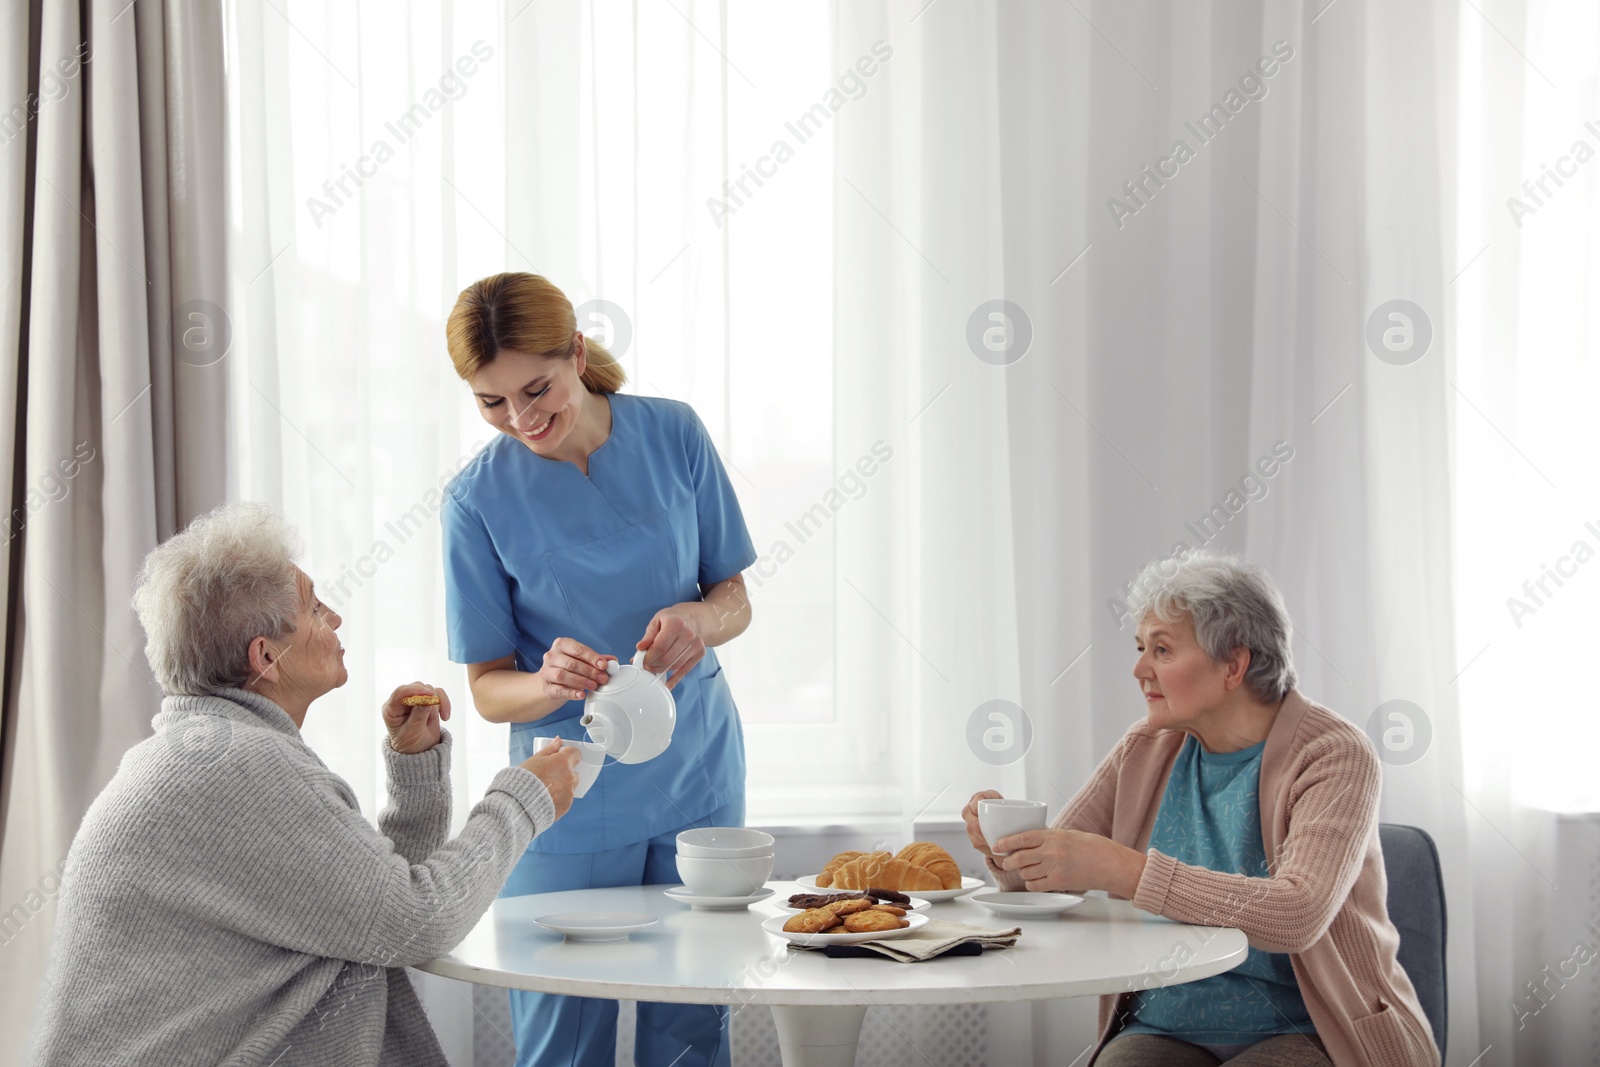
x: 596, y: 524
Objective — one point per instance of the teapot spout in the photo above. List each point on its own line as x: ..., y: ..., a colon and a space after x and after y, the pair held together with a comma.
x: 609, y: 727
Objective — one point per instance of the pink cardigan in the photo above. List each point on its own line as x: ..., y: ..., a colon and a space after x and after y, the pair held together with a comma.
x: 1324, y: 903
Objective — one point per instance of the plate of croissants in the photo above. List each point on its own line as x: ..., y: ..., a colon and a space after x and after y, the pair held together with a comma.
x: 845, y: 923
x: 921, y: 869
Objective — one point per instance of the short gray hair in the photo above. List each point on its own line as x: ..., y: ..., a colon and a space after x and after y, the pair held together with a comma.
x: 207, y: 592
x: 1232, y: 604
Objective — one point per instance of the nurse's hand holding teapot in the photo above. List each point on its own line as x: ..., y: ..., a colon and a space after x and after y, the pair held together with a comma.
x: 675, y: 640
x: 571, y: 669
x: 674, y: 644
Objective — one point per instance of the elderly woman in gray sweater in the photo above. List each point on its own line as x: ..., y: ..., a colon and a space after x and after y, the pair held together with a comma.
x: 224, y: 900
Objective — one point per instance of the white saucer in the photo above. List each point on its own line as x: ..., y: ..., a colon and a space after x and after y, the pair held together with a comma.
x: 932, y: 896
x: 774, y: 926
x: 681, y: 894
x: 596, y: 925
x: 1027, y: 905
x: 917, y: 903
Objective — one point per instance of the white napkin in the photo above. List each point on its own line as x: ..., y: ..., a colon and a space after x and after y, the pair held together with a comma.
x: 935, y: 938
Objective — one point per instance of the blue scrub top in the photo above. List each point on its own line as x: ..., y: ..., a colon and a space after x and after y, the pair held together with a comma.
x: 534, y: 550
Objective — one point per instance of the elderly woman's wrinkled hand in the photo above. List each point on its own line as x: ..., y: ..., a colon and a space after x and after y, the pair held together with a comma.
x: 1061, y: 861
x: 416, y: 728
x: 969, y: 815
x: 556, y: 765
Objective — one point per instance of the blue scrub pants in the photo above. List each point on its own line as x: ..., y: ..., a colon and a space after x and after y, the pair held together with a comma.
x: 560, y: 1031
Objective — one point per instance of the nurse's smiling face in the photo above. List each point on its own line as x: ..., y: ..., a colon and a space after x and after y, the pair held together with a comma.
x: 537, y: 399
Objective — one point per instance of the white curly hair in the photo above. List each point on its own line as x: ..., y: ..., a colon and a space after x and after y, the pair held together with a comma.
x: 204, y: 594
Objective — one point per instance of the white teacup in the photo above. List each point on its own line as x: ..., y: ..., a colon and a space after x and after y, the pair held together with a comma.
x: 591, y: 757
x: 727, y: 842
x: 1002, y: 818
x: 721, y: 877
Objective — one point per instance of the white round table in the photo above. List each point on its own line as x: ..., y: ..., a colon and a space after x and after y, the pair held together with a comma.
x: 818, y: 1003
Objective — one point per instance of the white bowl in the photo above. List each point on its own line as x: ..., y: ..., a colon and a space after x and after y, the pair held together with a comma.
x: 722, y: 877
x: 725, y: 842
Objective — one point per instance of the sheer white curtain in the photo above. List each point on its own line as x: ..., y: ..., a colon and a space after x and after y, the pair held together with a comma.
x: 384, y: 157
x: 801, y: 222
x: 1528, y: 506
x: 673, y: 168
x: 1199, y: 369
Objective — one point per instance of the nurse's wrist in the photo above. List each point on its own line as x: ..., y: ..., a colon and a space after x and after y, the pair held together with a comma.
x: 697, y: 615
x: 702, y: 615
x: 715, y: 623
x: 544, y: 707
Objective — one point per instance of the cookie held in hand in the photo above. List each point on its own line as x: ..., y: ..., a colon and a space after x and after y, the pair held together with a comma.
x: 420, y: 701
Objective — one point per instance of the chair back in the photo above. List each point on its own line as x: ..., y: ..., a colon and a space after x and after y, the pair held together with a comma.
x: 1416, y: 907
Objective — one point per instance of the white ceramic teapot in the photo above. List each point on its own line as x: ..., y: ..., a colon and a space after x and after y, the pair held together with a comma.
x: 632, y: 716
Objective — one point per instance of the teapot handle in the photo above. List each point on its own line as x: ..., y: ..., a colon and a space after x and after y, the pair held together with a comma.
x: 638, y: 661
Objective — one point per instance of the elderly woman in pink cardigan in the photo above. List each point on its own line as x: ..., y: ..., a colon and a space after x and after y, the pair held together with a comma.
x: 1235, y: 802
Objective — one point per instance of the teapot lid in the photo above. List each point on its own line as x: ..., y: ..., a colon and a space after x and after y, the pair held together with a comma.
x: 620, y: 676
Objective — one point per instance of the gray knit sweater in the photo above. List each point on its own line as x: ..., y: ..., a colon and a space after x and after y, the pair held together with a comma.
x: 225, y: 901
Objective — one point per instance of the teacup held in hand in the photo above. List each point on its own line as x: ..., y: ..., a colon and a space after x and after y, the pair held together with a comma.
x: 591, y: 757
x: 1002, y: 818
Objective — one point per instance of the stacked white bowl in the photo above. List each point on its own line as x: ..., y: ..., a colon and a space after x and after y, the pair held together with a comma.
x: 724, y: 861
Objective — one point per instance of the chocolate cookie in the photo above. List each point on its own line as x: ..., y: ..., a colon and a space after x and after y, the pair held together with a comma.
x: 819, y: 900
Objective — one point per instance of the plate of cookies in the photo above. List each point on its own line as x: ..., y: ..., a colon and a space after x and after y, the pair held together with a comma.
x: 807, y: 901
x: 921, y: 869
x: 847, y: 922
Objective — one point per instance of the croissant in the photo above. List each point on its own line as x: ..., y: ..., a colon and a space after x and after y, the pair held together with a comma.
x: 881, y: 869
x: 936, y: 860
x: 825, y: 879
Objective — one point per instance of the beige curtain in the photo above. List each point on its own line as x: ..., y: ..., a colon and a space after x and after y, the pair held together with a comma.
x: 112, y: 390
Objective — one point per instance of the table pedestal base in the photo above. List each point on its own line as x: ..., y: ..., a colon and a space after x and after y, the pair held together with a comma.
x: 818, y: 1036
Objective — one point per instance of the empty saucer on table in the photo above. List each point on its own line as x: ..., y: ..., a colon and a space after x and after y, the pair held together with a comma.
x: 932, y: 896
x: 774, y: 926
x: 682, y: 895
x: 917, y: 903
x: 596, y: 925
x: 1028, y: 905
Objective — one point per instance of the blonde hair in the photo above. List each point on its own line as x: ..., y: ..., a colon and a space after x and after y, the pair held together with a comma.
x: 525, y: 313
